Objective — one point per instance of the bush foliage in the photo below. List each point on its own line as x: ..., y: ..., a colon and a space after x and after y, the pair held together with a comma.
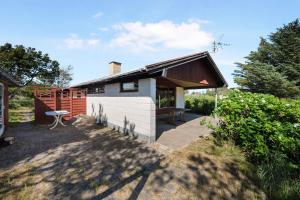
x: 268, y: 130
x: 261, y: 124
x: 201, y: 104
x: 23, y: 102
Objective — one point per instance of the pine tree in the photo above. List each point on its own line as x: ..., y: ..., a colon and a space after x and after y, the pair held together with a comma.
x: 274, y: 67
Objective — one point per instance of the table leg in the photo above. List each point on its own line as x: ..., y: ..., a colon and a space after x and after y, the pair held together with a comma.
x: 60, y: 120
x: 182, y: 117
x: 55, y: 122
x: 172, y: 120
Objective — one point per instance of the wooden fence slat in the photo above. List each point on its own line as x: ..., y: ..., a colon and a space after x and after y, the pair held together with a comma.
x: 72, y: 100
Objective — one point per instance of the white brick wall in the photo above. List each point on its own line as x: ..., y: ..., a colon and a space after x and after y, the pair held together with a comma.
x: 137, y: 107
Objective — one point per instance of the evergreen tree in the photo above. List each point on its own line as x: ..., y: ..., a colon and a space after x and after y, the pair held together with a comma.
x: 27, y: 65
x: 274, y: 67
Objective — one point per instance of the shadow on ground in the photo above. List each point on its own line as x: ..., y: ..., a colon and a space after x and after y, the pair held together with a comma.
x: 98, y: 163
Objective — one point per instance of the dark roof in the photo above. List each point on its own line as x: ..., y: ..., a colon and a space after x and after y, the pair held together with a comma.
x: 155, y: 69
x: 6, y: 77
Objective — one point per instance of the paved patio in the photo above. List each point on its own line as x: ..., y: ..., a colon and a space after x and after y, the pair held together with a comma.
x: 181, y: 135
x: 89, y: 162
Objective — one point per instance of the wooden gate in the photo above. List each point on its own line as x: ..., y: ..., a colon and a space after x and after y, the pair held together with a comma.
x: 50, y: 99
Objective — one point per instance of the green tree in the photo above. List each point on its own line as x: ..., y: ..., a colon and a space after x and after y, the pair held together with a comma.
x: 28, y: 65
x: 65, y: 77
x: 274, y: 67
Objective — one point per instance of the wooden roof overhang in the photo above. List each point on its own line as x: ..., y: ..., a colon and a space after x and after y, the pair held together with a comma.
x: 191, y: 72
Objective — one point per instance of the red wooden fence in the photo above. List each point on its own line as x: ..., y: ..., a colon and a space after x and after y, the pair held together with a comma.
x: 50, y: 99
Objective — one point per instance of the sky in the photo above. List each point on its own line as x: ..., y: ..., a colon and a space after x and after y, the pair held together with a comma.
x: 89, y: 34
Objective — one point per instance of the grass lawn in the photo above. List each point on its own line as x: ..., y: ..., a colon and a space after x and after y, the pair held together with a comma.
x: 220, y: 172
x: 19, y: 115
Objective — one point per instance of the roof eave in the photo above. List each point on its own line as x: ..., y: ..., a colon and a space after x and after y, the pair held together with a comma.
x: 217, y: 70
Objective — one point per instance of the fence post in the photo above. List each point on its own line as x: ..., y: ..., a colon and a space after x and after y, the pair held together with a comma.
x: 216, y: 100
x: 55, y: 103
x: 71, y: 102
x: 216, y: 97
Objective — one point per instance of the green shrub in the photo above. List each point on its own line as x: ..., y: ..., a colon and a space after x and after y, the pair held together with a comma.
x: 200, y: 104
x: 268, y: 130
x: 261, y: 124
x: 23, y: 102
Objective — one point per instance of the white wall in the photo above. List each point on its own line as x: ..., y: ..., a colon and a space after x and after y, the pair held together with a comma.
x: 179, y: 97
x: 137, y: 107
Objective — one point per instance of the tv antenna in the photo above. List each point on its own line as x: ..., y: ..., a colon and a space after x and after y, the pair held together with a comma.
x: 218, y: 45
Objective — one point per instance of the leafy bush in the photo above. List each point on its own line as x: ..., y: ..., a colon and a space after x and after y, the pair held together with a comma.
x: 23, y: 102
x: 201, y: 104
x: 261, y: 124
x: 268, y: 129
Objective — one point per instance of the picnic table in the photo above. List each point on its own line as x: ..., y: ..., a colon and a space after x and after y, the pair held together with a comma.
x: 172, y: 112
x: 58, y: 115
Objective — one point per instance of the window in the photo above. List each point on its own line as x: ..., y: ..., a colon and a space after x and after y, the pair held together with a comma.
x: 132, y: 86
x: 165, y: 97
x: 96, y: 89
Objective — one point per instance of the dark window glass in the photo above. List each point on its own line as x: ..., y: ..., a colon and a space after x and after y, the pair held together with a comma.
x: 132, y: 86
x: 96, y: 89
x: 165, y: 97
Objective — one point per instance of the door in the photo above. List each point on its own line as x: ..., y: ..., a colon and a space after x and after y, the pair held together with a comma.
x: 1, y: 109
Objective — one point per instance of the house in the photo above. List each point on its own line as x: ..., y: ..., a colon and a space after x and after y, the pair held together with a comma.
x: 130, y: 101
x: 5, y: 82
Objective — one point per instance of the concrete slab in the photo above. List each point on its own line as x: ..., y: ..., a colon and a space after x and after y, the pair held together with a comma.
x: 181, y: 135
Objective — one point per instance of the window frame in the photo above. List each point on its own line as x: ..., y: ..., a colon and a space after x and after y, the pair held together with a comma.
x: 136, y: 86
x: 167, y: 91
x: 94, y: 89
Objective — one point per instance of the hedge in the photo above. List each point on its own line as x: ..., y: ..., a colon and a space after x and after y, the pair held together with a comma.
x: 200, y: 104
x: 18, y: 103
x: 268, y: 130
x: 261, y: 124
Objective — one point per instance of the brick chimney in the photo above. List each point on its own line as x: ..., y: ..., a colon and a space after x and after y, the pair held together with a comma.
x: 114, y: 68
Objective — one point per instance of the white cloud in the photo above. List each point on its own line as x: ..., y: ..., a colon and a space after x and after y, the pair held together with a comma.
x: 164, y: 34
x: 93, y: 34
x: 92, y: 42
x: 75, y: 42
x: 104, y: 29
x: 98, y: 15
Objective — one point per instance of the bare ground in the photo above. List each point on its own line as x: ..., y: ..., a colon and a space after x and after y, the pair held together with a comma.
x: 97, y: 163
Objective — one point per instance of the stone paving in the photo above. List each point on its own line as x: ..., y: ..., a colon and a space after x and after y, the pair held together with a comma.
x: 89, y: 162
x: 184, y: 133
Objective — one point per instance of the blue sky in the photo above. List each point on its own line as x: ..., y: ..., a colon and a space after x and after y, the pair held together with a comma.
x: 90, y: 34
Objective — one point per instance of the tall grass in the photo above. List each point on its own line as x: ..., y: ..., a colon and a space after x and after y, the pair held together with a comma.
x: 279, y: 178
